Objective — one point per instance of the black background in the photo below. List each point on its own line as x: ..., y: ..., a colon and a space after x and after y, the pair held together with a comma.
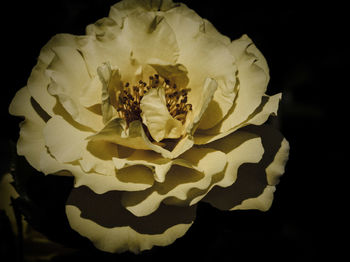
x: 305, y: 47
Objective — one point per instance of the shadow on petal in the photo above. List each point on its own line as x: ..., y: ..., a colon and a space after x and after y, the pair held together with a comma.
x: 251, y: 178
x: 106, y: 210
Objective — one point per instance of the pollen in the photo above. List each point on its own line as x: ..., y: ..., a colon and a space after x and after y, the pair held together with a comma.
x: 129, y: 99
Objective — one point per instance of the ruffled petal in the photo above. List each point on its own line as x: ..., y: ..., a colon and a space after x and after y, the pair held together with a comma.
x: 157, y: 164
x: 65, y: 142
x: 39, y: 81
x: 254, y: 185
x: 134, y: 137
x: 181, y: 185
x: 253, y: 75
x: 69, y: 78
x: 156, y: 117
x: 204, y: 55
x: 268, y: 107
x: 113, y: 229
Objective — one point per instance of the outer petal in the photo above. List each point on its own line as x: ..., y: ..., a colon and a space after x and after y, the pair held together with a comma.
x: 268, y: 106
x: 111, y: 228
x: 179, y: 187
x: 69, y: 78
x: 65, y: 142
x: 38, y: 81
x: 253, y: 75
x: 252, y: 189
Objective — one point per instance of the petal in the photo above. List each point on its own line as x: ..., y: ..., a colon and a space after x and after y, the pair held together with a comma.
x: 251, y: 188
x: 201, y: 103
x: 158, y: 164
x: 110, y: 80
x: 134, y: 137
x: 129, y: 179
x: 156, y: 117
x: 69, y: 78
x: 65, y: 142
x: 268, y: 106
x: 204, y: 55
x: 113, y: 229
x: 38, y: 81
x: 119, y: 43
x: 253, y: 75
x: 97, y: 157
x: 276, y: 168
x: 179, y: 187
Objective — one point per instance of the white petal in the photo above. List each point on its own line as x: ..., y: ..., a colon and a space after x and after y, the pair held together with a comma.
x: 181, y: 185
x: 69, y: 78
x: 268, y: 106
x: 65, y: 142
x: 276, y: 168
x: 254, y: 185
x: 134, y: 137
x: 204, y: 55
x: 113, y: 229
x: 156, y: 117
x: 253, y: 75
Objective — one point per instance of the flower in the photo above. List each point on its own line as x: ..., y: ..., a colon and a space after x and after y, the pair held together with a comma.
x: 152, y: 111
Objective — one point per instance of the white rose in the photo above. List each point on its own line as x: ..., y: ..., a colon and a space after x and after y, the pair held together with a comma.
x: 146, y: 112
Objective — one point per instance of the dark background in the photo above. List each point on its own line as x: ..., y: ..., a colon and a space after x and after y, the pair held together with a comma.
x: 305, y: 47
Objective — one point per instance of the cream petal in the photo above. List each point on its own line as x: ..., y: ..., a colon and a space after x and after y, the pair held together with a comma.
x: 69, y: 78
x: 31, y: 143
x: 263, y: 202
x: 124, y: 8
x: 97, y: 157
x: 157, y: 38
x: 268, y: 106
x: 156, y: 117
x: 65, y: 142
x: 204, y: 55
x: 180, y: 182
x: 38, y: 81
x: 252, y: 188
x: 158, y: 164
x: 176, y: 73
x: 134, y: 137
x: 201, y: 104
x: 253, y: 75
x: 113, y: 229
x: 276, y: 168
x: 117, y: 132
x: 110, y: 79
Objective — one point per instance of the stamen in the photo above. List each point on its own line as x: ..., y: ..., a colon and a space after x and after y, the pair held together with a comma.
x: 129, y: 99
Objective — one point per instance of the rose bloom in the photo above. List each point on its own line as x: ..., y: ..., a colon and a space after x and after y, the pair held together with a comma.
x: 152, y: 111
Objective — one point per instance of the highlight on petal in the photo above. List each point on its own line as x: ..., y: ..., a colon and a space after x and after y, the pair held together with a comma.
x: 113, y: 229
x: 268, y: 107
x: 134, y: 137
x: 156, y: 117
x: 181, y: 184
x: 64, y: 142
x: 69, y: 78
x: 252, y: 188
x: 38, y: 81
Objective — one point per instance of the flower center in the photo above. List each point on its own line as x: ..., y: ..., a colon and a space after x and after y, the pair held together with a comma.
x: 128, y: 100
